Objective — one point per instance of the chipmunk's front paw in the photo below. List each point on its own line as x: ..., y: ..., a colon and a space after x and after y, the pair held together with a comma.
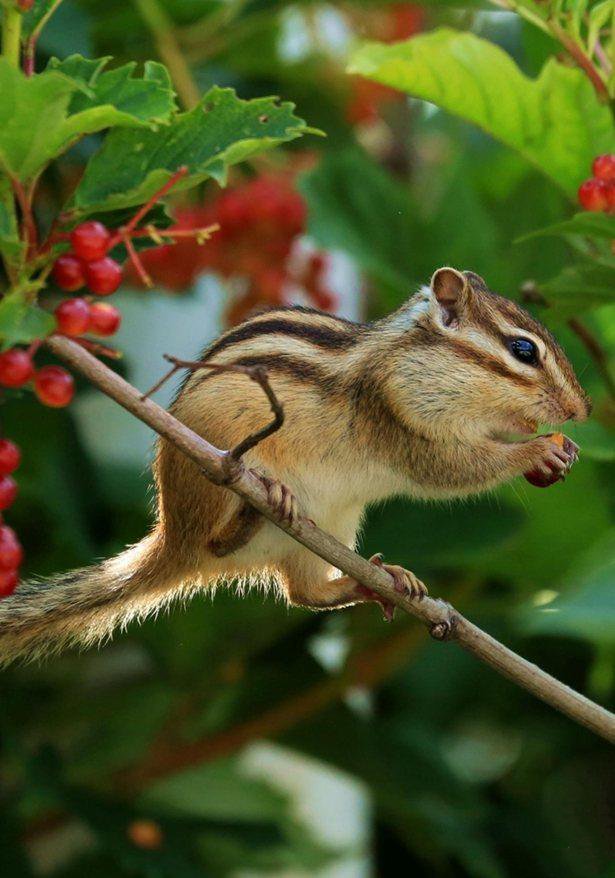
x: 280, y: 498
x: 552, y: 457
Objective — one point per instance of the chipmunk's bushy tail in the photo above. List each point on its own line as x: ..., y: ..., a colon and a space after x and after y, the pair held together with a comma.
x: 84, y: 606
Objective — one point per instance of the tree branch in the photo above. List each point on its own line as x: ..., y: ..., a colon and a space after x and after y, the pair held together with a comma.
x: 443, y: 621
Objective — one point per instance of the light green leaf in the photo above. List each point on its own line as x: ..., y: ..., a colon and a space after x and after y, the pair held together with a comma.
x: 21, y: 321
x: 149, y: 99
x: 221, y: 131
x: 597, y: 225
x: 36, y: 118
x: 555, y: 121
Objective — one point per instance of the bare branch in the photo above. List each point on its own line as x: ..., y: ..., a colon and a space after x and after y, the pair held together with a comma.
x: 255, y: 373
x: 442, y: 620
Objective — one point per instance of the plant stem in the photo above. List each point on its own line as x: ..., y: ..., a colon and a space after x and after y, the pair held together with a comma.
x: 596, y: 351
x: 11, y: 34
x: 163, y: 31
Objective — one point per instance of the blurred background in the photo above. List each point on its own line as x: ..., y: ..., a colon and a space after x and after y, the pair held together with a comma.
x: 235, y: 736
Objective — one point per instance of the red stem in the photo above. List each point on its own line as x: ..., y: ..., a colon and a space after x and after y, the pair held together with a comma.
x: 28, y: 56
x: 134, y: 258
x: 129, y: 228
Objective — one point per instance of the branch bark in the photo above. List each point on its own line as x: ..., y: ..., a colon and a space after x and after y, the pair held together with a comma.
x: 442, y: 620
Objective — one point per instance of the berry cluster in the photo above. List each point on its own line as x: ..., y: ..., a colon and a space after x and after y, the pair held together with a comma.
x: 11, y: 553
x: 87, y: 262
x: 598, y: 193
x: 259, y: 221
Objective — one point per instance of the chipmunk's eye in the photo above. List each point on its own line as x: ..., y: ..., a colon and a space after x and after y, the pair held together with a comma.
x: 524, y: 350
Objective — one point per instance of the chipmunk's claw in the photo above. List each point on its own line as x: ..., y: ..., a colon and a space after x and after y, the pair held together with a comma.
x: 404, y: 581
x: 280, y: 498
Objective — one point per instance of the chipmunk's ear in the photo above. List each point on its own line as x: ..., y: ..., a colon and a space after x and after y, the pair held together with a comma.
x: 452, y: 291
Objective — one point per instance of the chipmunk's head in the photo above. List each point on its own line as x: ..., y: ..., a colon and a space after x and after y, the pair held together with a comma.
x: 484, y: 364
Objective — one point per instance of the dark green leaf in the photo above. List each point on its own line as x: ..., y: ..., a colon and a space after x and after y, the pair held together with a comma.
x: 579, y: 288
x: 222, y: 131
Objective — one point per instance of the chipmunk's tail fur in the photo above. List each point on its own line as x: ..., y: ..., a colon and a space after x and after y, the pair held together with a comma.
x: 84, y: 606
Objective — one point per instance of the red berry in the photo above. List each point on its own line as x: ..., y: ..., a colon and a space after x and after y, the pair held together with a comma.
x: 54, y: 386
x: 8, y: 582
x: 67, y: 273
x: 10, y: 457
x: 15, y: 368
x: 103, y: 276
x: 592, y: 195
x: 90, y: 240
x: 73, y: 316
x: 104, y: 319
x: 610, y: 197
x: 603, y: 167
x: 8, y: 491
x: 11, y: 553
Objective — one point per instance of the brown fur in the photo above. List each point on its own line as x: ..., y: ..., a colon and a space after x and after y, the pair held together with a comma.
x: 413, y: 404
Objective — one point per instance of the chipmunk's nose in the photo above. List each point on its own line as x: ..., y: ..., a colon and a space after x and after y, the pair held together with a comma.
x: 581, y: 410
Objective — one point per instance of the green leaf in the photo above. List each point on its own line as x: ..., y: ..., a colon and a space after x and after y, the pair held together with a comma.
x: 555, y: 121
x: 221, y: 131
x: 149, y: 99
x: 35, y: 112
x: 22, y: 322
x: 11, y: 247
x: 596, y: 225
x: 580, y: 288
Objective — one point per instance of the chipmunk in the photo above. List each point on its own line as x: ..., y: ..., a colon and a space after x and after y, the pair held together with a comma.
x: 419, y: 403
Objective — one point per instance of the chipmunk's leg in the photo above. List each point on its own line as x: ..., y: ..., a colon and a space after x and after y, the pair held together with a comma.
x: 307, y: 585
x: 246, y: 521
x: 237, y: 532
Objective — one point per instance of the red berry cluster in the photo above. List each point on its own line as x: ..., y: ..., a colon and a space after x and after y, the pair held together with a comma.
x: 598, y: 193
x: 87, y: 262
x: 260, y: 221
x: 53, y: 385
x: 11, y: 553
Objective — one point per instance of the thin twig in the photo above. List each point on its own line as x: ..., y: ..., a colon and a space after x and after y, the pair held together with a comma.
x: 162, y: 29
x: 258, y: 374
x: 442, y: 620
x: 596, y: 351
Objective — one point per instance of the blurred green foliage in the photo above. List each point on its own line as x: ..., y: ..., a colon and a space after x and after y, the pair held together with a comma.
x: 468, y: 775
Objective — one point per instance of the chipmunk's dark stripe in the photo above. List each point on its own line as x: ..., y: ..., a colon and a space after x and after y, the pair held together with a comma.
x: 319, y: 335
x: 487, y: 361
x: 429, y: 335
x: 285, y: 364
